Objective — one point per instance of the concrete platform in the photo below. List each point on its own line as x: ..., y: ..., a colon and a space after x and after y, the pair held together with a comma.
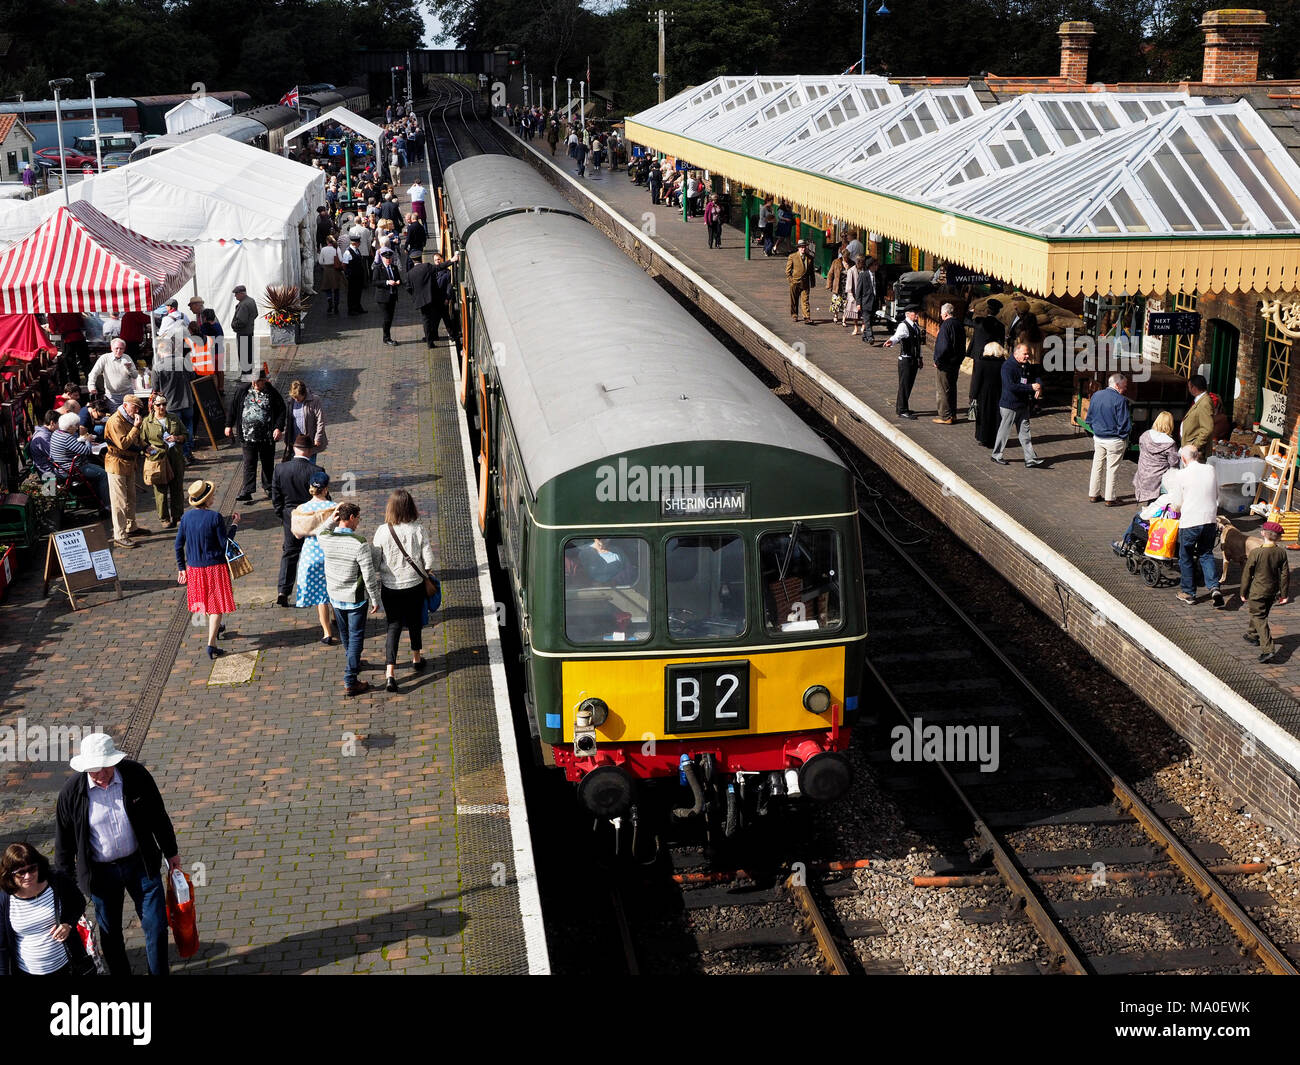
x: 379, y: 834
x: 1035, y: 526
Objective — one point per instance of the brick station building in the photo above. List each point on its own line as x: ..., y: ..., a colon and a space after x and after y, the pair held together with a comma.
x: 1113, y: 200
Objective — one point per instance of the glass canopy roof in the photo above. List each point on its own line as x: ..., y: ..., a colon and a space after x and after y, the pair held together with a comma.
x: 1051, y: 164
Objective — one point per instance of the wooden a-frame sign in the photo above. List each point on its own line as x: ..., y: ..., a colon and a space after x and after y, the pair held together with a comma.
x: 82, y: 559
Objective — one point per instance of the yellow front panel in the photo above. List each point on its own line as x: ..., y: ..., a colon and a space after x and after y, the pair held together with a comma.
x: 634, y: 690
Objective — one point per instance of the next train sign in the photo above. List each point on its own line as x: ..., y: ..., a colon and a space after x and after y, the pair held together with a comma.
x: 729, y: 501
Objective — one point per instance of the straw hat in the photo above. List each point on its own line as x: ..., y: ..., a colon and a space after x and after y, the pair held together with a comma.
x: 200, y: 492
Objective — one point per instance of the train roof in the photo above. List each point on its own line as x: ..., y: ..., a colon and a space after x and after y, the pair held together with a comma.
x: 173, y: 98
x: 236, y: 127
x: 273, y: 116
x: 333, y: 97
x: 36, y: 107
x: 595, y: 361
x: 484, y: 187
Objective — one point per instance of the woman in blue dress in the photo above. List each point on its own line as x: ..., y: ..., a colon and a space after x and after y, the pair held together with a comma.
x: 310, y: 587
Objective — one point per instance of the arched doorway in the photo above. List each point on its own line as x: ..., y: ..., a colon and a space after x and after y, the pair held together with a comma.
x: 1223, y: 339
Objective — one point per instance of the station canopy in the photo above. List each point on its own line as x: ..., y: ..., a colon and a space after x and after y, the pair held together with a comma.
x: 1055, y: 192
x: 348, y: 120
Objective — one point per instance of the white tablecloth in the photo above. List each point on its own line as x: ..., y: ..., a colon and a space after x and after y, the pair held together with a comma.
x: 1237, y: 471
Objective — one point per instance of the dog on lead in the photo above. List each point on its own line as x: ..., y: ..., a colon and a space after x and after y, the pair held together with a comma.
x: 1234, y: 544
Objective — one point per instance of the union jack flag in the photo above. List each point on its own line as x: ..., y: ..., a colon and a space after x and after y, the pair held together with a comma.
x: 290, y: 99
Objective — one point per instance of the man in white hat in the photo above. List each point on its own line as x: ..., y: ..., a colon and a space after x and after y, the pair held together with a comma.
x: 111, y: 834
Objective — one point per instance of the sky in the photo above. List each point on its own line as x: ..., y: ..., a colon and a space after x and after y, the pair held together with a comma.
x: 433, y: 31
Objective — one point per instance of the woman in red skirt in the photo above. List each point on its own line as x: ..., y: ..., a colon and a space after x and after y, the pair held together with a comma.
x: 201, y: 566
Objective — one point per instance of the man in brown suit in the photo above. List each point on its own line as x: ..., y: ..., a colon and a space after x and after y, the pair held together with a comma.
x: 1198, y: 423
x: 801, y: 272
x: 122, y: 432
x: 1265, y: 583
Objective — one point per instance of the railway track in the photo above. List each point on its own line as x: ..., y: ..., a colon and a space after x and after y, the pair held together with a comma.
x: 715, y: 921
x: 1050, y: 817
x: 454, y: 127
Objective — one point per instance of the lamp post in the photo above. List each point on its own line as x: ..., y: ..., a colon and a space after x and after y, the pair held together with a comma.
x: 56, y: 84
x: 882, y: 10
x: 568, y: 103
x: 554, y: 79
x: 94, y: 116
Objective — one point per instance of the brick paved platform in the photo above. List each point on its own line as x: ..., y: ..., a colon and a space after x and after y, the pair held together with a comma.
x: 1016, y: 517
x: 376, y: 834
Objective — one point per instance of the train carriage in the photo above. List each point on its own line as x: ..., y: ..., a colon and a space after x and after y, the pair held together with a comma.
x: 682, y: 549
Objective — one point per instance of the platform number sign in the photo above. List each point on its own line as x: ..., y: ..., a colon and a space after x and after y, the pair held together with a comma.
x: 706, y: 697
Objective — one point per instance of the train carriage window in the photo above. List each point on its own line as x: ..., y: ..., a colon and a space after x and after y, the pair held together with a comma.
x: 801, y: 580
x: 607, y: 589
x: 706, y: 587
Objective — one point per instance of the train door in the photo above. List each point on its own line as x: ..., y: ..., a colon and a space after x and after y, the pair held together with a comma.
x: 1223, y: 361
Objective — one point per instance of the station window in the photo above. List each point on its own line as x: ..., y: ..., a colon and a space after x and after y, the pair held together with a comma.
x: 607, y: 589
x: 801, y: 583
x: 1183, y: 348
x: 1275, y: 364
x: 706, y: 587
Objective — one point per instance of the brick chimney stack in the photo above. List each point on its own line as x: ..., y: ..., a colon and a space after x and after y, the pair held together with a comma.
x: 1232, y: 38
x: 1076, y: 40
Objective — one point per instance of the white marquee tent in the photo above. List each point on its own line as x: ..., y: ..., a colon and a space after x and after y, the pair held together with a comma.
x: 348, y: 120
x: 248, y: 214
x: 195, y: 112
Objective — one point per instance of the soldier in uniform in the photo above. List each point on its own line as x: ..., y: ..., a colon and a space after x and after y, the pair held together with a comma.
x: 1264, y: 584
x: 801, y: 272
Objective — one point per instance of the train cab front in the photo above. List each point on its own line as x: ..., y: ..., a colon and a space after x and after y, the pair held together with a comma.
x: 727, y: 674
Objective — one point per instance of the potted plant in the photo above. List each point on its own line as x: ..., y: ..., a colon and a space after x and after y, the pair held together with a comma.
x: 288, y: 305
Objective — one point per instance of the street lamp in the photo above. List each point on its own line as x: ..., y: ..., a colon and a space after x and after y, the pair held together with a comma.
x: 882, y: 10
x: 56, y: 84
x: 94, y: 115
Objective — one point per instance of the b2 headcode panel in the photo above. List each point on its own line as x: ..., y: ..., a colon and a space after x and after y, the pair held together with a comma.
x: 706, y: 697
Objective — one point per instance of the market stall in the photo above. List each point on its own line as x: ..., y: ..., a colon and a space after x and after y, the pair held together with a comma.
x: 246, y: 214
x: 76, y: 261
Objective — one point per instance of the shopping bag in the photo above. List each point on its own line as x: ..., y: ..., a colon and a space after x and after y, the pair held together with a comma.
x: 90, y: 944
x: 238, y: 562
x: 1162, y: 537
x: 180, y: 913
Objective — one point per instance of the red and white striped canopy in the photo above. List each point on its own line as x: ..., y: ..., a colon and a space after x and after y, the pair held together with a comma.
x: 79, y: 259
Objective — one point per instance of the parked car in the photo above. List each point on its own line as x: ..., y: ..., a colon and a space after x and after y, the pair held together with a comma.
x: 50, y: 157
x: 113, y: 160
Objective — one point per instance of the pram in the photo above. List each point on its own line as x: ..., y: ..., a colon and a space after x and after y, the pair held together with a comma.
x: 1155, y: 572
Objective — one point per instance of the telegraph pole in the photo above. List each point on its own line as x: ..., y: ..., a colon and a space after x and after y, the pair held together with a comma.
x: 662, y: 72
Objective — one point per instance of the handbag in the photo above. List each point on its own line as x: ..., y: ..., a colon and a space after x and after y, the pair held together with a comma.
x: 432, y: 587
x: 158, y: 470
x: 237, y: 562
x: 972, y: 412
